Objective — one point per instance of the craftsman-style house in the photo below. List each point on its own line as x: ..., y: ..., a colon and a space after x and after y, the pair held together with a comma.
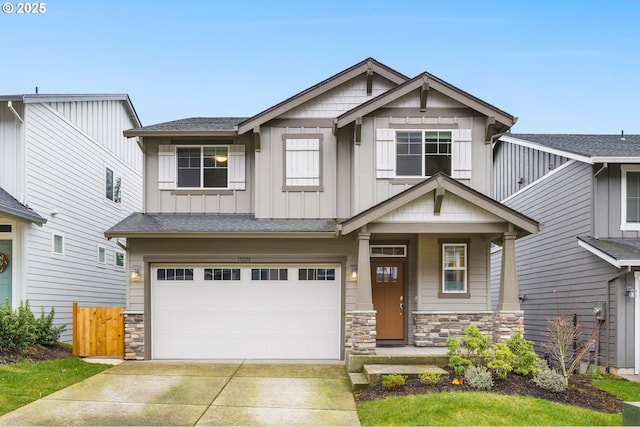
x: 354, y: 214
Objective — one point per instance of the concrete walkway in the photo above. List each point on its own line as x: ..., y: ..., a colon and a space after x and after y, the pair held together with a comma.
x: 200, y: 393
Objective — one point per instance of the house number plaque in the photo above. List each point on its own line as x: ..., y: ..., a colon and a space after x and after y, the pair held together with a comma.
x: 244, y: 259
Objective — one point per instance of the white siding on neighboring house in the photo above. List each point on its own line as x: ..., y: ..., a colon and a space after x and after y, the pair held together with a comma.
x: 11, y: 151
x: 67, y: 173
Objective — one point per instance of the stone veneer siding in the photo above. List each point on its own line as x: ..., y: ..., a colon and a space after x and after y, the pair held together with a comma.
x: 432, y: 329
x: 363, y: 332
x: 133, y: 336
x: 506, y: 324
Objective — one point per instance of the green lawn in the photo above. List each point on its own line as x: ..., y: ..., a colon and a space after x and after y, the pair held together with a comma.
x: 477, y: 409
x: 24, y: 382
x: 625, y: 390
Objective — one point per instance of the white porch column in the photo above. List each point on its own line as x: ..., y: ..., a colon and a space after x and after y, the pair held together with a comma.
x: 364, y: 299
x: 508, y: 297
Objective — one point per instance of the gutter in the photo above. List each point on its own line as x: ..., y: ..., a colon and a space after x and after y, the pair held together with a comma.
x: 14, y: 112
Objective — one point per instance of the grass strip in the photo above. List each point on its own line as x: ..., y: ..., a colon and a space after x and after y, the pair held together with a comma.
x: 25, y: 381
x: 478, y: 409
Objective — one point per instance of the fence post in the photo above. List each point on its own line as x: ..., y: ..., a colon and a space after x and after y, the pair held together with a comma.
x: 74, y: 331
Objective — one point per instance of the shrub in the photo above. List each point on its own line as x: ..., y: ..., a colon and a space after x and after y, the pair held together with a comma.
x: 393, y: 381
x: 456, y: 361
x: 478, y: 377
x: 46, y: 333
x: 429, y: 378
x: 474, y: 342
x: 19, y: 327
x: 499, y: 360
x: 526, y: 359
x: 550, y: 379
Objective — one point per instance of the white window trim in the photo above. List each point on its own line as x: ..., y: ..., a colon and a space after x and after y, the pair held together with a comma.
x: 115, y: 259
x: 624, y: 225
x: 465, y: 289
x: 202, y: 147
x: 104, y: 248
x: 53, y: 243
x: 116, y: 177
x: 372, y: 255
x: 423, y: 131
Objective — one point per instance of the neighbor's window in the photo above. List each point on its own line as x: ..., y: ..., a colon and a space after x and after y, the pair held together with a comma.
x: 58, y: 244
x: 454, y: 267
x: 119, y: 260
x: 102, y: 255
x: 630, y: 198
x: 113, y: 186
x: 423, y: 153
x: 203, y: 167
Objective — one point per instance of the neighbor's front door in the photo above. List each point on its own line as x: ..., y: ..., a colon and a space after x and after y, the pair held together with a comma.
x: 387, y: 283
x: 5, y: 275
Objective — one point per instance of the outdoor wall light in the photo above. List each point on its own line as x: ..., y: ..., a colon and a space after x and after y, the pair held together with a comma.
x: 630, y: 292
x: 135, y: 272
x: 354, y: 272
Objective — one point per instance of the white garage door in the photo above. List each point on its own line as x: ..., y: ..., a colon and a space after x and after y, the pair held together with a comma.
x: 241, y: 311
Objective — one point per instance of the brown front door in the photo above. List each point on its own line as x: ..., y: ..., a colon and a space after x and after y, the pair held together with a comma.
x: 387, y: 281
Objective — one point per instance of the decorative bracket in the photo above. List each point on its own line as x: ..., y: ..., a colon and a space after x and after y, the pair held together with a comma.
x: 256, y: 138
x: 424, y: 94
x: 437, y: 200
x: 489, y: 128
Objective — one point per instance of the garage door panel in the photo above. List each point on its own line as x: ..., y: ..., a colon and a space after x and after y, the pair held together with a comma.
x: 246, y: 319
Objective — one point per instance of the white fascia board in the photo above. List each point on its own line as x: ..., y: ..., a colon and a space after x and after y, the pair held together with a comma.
x: 618, y: 263
x: 616, y: 159
x: 536, y: 146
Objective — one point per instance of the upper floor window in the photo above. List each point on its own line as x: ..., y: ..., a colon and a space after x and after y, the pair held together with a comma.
x: 630, y: 200
x: 303, y: 162
x: 423, y: 153
x: 113, y: 186
x: 203, y: 167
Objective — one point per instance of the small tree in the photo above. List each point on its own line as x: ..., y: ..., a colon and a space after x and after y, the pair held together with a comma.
x: 562, y: 335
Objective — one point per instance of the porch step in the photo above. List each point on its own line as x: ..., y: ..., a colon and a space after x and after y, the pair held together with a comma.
x: 374, y: 373
x: 355, y: 363
x: 358, y: 381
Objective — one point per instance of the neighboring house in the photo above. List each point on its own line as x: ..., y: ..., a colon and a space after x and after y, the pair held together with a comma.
x: 66, y: 174
x: 353, y: 214
x: 586, y: 191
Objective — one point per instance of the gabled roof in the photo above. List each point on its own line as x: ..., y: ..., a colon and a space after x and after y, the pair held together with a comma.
x: 356, y: 70
x: 78, y: 97
x: 428, y: 81
x: 618, y: 252
x: 524, y: 224
x: 585, y: 148
x: 12, y: 207
x: 218, y: 225
x: 194, y: 126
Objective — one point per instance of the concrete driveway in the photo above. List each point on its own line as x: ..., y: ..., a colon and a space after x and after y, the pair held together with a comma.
x: 199, y: 393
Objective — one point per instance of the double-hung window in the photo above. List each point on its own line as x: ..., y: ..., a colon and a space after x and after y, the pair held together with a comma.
x: 454, y: 268
x: 203, y: 167
x: 630, y: 200
x: 423, y: 152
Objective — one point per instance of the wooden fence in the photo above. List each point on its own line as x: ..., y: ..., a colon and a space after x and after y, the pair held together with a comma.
x: 98, y: 331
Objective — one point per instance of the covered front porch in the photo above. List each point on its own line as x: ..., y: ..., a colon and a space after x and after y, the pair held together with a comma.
x: 417, y: 295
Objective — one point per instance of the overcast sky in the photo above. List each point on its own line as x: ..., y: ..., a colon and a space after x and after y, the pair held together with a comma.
x: 559, y: 66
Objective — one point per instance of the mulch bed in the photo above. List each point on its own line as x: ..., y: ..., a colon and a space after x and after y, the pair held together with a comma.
x: 579, y: 393
x: 34, y: 353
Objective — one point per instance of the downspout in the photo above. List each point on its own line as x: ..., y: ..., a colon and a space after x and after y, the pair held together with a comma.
x: 14, y: 112
x: 608, y: 309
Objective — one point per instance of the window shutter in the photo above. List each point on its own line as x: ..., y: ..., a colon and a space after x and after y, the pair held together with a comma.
x: 385, y: 153
x: 166, y: 167
x: 236, y: 167
x: 302, y: 162
x: 461, y: 154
